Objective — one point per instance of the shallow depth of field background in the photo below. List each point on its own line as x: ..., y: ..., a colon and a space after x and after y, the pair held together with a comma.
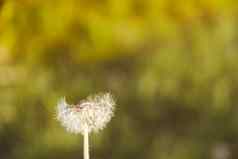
x: 172, y: 66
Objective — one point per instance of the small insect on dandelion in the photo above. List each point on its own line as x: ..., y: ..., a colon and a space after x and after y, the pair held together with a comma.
x: 90, y: 115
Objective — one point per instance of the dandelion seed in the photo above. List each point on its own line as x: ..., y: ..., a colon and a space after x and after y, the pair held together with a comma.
x: 90, y: 115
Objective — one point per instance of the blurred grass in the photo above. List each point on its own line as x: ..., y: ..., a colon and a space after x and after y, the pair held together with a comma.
x: 171, y: 64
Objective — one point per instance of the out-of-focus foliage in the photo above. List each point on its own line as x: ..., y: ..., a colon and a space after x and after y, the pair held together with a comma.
x: 173, y: 66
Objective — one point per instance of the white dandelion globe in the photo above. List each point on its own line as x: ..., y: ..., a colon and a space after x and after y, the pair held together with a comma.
x: 89, y: 115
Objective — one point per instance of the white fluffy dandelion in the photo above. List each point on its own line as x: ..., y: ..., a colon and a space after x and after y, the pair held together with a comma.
x: 89, y: 115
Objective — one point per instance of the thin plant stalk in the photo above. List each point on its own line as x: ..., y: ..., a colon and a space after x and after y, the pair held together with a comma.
x: 86, y: 145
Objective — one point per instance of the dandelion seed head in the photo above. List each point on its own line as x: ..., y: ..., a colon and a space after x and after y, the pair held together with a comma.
x: 89, y: 115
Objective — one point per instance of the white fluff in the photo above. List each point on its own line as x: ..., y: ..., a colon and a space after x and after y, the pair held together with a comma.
x: 90, y: 115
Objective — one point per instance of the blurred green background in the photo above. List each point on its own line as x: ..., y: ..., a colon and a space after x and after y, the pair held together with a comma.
x: 172, y: 66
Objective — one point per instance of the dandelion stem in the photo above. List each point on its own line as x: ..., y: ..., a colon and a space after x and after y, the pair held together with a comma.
x: 86, y: 145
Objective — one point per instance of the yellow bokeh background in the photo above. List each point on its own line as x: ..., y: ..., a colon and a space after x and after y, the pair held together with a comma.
x: 172, y: 66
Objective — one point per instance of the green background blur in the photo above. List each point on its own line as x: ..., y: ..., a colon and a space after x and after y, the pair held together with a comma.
x: 172, y: 66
